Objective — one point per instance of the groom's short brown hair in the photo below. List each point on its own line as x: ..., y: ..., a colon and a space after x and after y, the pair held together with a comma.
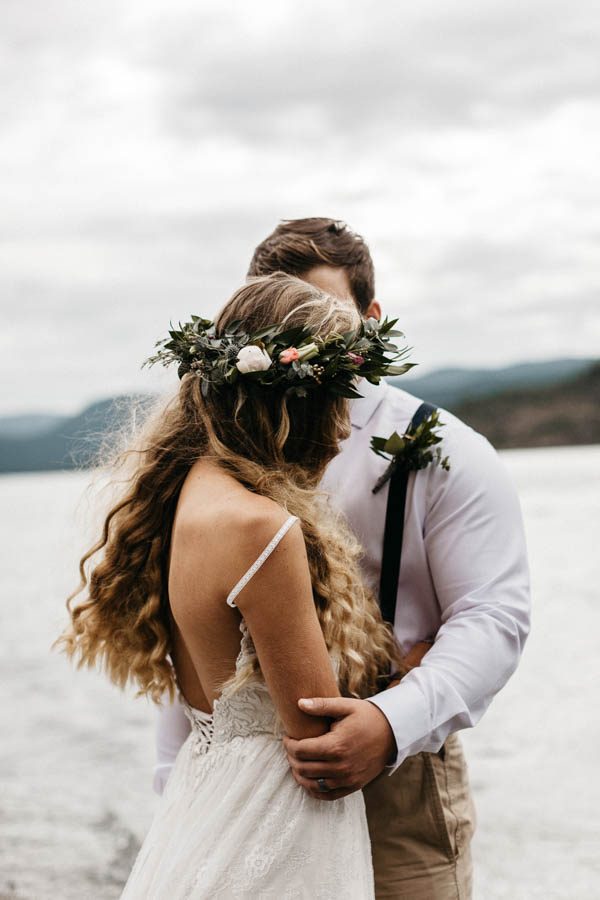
x: 298, y: 245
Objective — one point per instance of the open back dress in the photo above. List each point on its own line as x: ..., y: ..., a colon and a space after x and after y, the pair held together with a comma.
x: 232, y: 821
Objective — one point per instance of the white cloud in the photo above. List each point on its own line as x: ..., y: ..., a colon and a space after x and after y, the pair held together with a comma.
x: 146, y: 149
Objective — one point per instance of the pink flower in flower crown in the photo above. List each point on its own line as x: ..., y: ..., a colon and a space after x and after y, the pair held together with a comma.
x: 356, y: 358
x: 288, y: 356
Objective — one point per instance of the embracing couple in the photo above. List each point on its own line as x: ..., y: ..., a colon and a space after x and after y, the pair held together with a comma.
x: 323, y: 618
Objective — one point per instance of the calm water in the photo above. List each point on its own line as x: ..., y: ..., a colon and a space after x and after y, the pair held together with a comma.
x: 76, y: 755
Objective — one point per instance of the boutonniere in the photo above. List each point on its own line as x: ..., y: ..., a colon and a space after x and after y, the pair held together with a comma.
x: 415, y: 449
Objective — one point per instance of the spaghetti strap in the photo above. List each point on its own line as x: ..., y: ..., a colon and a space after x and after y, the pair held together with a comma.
x: 261, y: 559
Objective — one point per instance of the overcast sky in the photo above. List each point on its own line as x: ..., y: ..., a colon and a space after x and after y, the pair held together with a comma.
x: 147, y: 147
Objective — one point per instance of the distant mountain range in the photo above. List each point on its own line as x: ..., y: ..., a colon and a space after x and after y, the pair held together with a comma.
x: 560, y: 414
x: 451, y: 387
x: 36, y: 443
x: 530, y: 404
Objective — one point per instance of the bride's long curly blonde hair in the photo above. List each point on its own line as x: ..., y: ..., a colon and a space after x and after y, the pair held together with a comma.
x: 275, y: 445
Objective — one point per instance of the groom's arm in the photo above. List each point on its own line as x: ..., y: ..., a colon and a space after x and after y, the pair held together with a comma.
x: 476, y: 554
x: 172, y: 728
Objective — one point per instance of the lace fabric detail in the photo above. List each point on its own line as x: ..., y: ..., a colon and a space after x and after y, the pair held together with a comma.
x: 261, y: 560
x: 202, y: 724
x: 233, y: 823
x: 244, y: 712
x: 248, y: 712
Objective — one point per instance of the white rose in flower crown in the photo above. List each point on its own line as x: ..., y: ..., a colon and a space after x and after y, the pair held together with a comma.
x: 252, y: 359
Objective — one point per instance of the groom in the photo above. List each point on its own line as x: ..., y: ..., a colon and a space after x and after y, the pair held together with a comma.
x: 463, y: 586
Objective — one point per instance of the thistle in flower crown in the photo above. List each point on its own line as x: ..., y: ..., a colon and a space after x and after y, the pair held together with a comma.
x: 289, y: 359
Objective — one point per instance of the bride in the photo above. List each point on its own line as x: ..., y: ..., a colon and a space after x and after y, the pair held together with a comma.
x: 222, y: 575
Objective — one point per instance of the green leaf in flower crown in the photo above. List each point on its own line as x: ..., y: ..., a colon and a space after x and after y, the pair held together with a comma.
x: 400, y: 370
x: 343, y: 390
x: 291, y: 337
x: 395, y: 333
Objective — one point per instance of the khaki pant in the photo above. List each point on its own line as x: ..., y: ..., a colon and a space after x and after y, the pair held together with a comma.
x: 421, y: 821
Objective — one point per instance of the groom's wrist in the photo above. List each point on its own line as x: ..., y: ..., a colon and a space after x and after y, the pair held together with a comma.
x: 389, y: 750
x: 407, y: 713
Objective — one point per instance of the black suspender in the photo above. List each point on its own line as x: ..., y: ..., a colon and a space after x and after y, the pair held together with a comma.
x: 394, y: 528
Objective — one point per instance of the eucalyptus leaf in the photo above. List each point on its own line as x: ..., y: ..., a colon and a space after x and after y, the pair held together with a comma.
x: 400, y: 370
x: 394, y: 444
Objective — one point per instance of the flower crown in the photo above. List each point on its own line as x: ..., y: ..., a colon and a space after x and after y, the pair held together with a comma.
x: 290, y: 359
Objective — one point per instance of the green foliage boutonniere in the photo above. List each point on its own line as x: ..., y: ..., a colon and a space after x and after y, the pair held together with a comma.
x: 415, y: 449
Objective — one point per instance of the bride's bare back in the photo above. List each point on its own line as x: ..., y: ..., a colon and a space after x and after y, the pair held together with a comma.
x: 220, y: 529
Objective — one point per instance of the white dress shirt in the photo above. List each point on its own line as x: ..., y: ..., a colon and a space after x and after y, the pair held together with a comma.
x: 463, y: 582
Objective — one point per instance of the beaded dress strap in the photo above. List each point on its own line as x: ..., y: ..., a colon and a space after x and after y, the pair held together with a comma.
x: 261, y: 559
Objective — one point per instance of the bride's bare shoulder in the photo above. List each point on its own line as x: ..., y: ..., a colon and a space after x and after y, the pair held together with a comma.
x: 215, y: 509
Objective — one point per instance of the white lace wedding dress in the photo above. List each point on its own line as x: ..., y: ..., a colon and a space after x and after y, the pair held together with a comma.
x: 233, y: 823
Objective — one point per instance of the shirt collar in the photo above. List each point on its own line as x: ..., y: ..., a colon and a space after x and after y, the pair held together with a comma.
x: 372, y: 395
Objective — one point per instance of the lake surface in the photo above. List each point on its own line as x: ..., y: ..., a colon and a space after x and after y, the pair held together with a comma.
x: 76, y: 755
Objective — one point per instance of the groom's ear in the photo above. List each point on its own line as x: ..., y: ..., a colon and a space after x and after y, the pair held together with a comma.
x: 373, y: 310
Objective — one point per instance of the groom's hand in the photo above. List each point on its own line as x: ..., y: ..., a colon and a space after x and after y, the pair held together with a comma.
x: 356, y: 749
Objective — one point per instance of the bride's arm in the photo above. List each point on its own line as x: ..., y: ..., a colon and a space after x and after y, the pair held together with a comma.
x: 278, y: 606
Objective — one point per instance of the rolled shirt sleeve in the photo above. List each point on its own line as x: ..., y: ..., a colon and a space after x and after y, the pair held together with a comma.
x: 475, y: 545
